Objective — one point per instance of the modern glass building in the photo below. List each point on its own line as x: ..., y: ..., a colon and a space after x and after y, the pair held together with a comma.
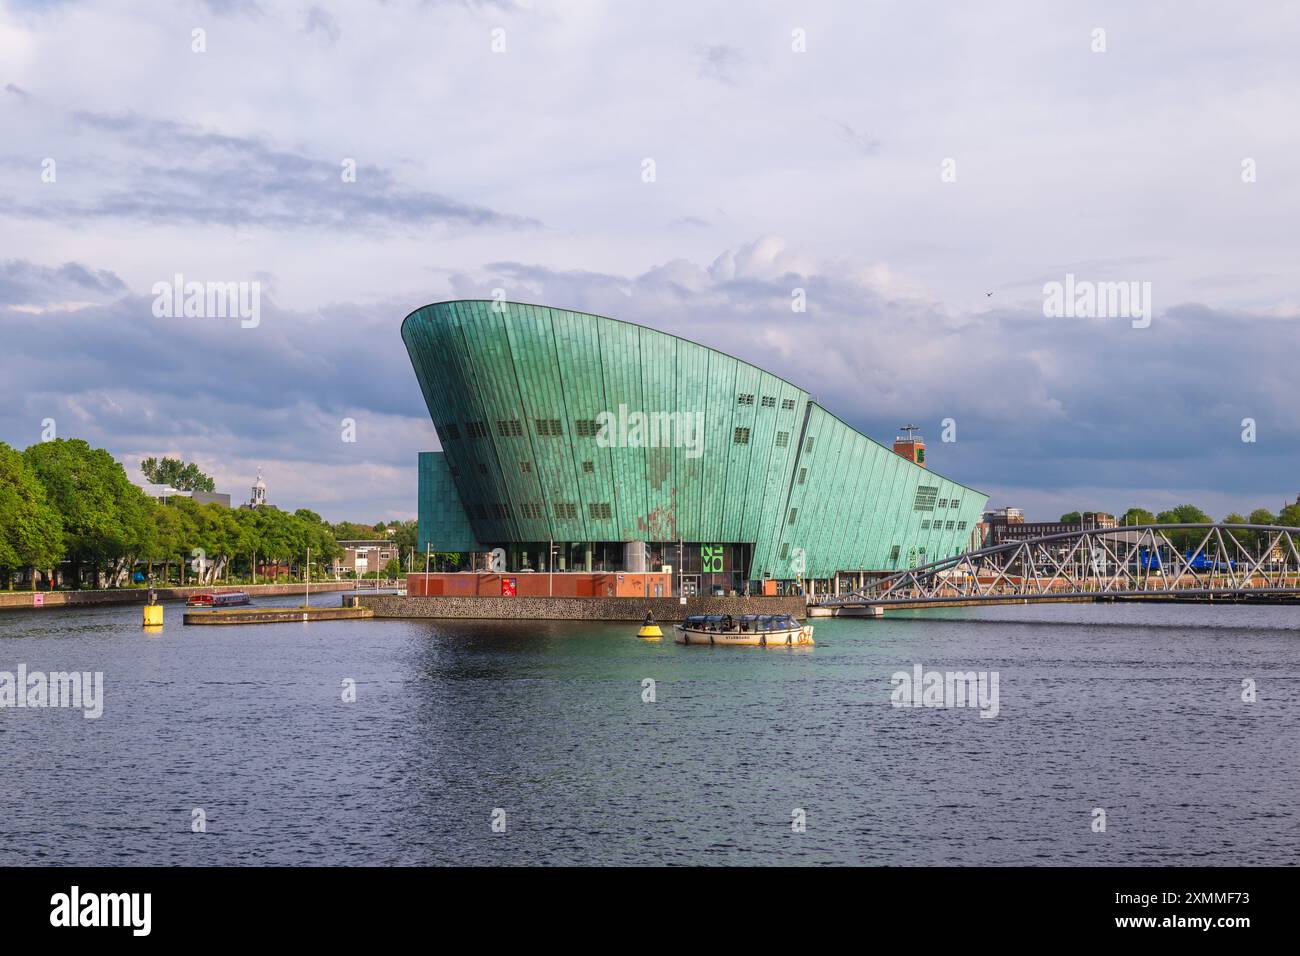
x: 613, y: 446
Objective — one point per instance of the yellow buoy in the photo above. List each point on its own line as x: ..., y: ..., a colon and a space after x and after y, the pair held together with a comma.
x: 649, y: 629
x: 153, y: 615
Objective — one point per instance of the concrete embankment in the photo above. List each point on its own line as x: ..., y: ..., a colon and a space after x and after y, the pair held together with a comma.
x: 573, y: 609
x: 274, y: 615
x: 26, y: 599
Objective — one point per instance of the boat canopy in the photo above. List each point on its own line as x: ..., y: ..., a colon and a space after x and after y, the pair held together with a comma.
x: 749, y: 622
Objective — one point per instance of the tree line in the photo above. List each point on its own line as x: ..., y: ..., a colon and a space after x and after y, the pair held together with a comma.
x: 1289, y: 517
x: 69, y: 514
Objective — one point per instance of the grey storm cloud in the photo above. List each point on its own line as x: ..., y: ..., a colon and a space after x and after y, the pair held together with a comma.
x: 24, y: 283
x: 1076, y: 401
x: 125, y: 378
x: 218, y: 179
x: 1095, y: 401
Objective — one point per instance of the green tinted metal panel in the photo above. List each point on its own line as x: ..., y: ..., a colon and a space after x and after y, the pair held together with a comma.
x: 738, y: 459
x: 443, y: 524
x: 692, y: 400
x: 659, y: 395
x: 577, y: 354
x: 620, y: 359
x: 719, y: 398
x: 536, y: 383
x: 482, y: 368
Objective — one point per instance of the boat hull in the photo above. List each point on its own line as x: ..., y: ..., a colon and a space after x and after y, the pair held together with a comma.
x: 219, y: 599
x: 794, y: 637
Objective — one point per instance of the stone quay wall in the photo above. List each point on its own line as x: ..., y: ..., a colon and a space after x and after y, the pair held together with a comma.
x: 25, y: 599
x: 573, y: 609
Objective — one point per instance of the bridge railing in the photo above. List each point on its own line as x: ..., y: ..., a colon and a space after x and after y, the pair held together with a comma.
x: 1185, y: 559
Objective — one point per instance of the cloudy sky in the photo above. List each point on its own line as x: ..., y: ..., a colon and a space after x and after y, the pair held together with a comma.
x: 898, y: 161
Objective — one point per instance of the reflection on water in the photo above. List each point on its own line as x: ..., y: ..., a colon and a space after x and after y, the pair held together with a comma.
x: 1134, y: 708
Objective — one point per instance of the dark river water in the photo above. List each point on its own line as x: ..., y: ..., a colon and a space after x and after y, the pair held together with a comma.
x: 1134, y: 710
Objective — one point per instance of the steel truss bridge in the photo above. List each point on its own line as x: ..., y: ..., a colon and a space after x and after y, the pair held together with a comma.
x: 1176, y: 560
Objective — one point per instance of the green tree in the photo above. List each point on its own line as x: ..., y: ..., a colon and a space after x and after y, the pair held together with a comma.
x: 176, y: 474
x: 31, y: 532
x: 1137, y: 516
x: 405, y: 537
x: 1289, y: 516
x: 1243, y: 538
x: 106, y: 519
x: 1184, y: 514
x: 352, y: 531
x: 1072, y: 517
x: 318, y: 534
x: 1262, y: 516
x: 166, y: 545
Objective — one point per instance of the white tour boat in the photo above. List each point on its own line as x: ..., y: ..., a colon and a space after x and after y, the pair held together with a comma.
x: 755, y: 630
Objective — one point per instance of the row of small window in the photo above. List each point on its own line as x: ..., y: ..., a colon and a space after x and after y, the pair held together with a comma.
x: 927, y: 499
x: 525, y: 468
x: 741, y: 437
x: 769, y: 401
x: 514, y: 428
x: 583, y: 427
x: 564, y: 511
x: 588, y: 467
x: 925, y: 525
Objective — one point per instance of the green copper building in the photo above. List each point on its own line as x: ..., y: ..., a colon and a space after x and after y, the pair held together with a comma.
x: 614, y: 446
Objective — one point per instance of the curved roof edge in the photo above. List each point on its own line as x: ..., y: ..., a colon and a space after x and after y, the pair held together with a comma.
x: 680, y: 338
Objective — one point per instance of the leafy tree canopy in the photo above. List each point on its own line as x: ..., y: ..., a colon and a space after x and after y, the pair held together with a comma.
x: 31, y: 532
x: 104, y: 516
x: 1137, y: 516
x: 177, y: 474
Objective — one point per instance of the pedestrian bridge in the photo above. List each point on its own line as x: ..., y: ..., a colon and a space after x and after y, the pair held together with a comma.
x: 1186, y: 561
